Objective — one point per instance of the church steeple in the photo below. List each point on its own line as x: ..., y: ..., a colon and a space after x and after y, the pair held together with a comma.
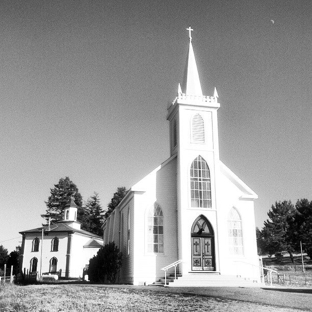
x: 191, y: 83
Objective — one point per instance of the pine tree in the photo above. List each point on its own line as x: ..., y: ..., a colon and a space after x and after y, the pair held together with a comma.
x: 60, y: 198
x: 302, y: 226
x: 275, y: 233
x: 94, y: 215
x: 117, y: 198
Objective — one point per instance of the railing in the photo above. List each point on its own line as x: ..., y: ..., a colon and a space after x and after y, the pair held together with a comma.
x: 166, y: 268
x: 262, y: 268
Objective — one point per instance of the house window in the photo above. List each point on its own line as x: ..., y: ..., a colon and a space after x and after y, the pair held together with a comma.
x: 35, y: 244
x: 198, y: 129
x: 235, y: 233
x: 128, y: 232
x: 67, y: 215
x: 53, y: 265
x: 33, y: 265
x: 54, y: 244
x: 200, y: 184
x: 155, y: 230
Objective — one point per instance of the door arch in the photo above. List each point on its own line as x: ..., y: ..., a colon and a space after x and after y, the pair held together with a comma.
x: 202, y: 242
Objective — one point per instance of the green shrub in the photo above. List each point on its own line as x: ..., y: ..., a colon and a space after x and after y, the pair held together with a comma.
x: 105, y: 265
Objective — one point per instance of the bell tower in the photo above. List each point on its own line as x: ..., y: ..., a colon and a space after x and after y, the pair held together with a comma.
x: 194, y: 140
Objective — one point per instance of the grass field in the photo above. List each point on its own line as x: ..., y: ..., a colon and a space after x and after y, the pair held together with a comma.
x: 95, y: 298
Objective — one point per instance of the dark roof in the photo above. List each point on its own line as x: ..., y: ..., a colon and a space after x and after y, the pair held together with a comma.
x: 60, y: 227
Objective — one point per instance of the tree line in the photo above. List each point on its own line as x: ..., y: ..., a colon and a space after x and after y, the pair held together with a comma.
x: 288, y: 228
x: 90, y: 214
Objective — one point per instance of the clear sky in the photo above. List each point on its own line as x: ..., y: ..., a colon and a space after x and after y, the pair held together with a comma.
x: 84, y: 89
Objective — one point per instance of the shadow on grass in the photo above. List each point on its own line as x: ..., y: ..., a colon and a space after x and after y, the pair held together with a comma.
x: 292, y: 290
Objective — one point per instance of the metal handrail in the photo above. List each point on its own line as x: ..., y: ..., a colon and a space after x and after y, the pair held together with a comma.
x: 262, y: 268
x: 166, y: 268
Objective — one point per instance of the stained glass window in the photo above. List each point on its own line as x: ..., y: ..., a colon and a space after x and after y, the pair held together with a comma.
x: 235, y: 233
x: 155, y: 230
x: 200, y: 184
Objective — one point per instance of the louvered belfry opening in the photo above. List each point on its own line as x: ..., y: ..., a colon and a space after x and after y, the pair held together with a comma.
x: 198, y: 129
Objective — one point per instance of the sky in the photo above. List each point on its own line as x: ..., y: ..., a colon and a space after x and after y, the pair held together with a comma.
x: 84, y: 89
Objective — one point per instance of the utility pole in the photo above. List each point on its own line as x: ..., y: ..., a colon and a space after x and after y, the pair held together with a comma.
x: 303, y: 270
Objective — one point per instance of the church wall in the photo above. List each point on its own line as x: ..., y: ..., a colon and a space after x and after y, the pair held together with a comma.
x: 161, y: 189
x: 241, y: 264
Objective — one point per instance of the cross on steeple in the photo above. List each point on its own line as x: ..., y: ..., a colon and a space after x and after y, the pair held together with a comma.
x: 190, y: 32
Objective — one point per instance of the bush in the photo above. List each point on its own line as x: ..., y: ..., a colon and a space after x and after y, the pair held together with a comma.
x: 105, y: 265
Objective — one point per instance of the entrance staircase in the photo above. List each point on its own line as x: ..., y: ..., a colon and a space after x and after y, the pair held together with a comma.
x: 213, y: 279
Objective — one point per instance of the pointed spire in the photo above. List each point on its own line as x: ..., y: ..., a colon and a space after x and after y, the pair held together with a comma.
x: 191, y: 83
x: 215, y: 93
x: 179, y: 89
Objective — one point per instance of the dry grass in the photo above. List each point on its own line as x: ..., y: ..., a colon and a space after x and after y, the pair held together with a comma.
x: 84, y: 298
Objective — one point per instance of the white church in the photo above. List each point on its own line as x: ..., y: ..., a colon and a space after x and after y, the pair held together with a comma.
x: 192, y: 213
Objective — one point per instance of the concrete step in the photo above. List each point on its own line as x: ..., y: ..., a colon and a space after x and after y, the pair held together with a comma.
x: 215, y: 280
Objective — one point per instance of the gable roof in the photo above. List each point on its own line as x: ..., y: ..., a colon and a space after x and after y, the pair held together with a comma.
x: 60, y: 227
x: 248, y: 193
x: 92, y: 243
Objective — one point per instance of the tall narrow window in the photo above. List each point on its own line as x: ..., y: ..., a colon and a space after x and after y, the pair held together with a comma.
x: 67, y: 215
x: 155, y: 230
x: 33, y: 265
x: 128, y: 232
x: 198, y: 129
x: 200, y: 184
x: 53, y: 265
x: 174, y: 133
x: 35, y: 244
x: 54, y: 244
x: 235, y: 233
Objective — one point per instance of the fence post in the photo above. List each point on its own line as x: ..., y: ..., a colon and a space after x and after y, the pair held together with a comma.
x: 4, y: 274
x: 11, y: 275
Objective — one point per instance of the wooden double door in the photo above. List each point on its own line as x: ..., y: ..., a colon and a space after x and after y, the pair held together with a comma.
x: 202, y: 241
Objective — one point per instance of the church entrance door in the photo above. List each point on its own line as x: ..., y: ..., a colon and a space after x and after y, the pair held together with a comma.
x: 202, y: 239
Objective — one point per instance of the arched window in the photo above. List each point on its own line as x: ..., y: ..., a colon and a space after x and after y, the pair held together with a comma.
x: 175, y: 133
x: 198, y: 129
x: 33, y: 265
x: 200, y: 184
x: 67, y: 215
x: 155, y: 230
x: 128, y: 232
x: 235, y: 233
x: 54, y: 244
x: 35, y: 244
x: 53, y: 265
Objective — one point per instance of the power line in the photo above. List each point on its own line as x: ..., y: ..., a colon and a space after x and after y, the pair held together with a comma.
x: 10, y: 239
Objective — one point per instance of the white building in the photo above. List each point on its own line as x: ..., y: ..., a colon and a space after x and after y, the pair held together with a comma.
x: 192, y: 207
x: 60, y: 248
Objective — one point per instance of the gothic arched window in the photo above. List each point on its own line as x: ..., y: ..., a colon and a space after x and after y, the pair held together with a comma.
x: 35, y: 244
x: 155, y: 230
x: 33, y: 265
x: 128, y: 231
x: 175, y: 140
x: 54, y: 244
x: 200, y: 184
x: 53, y: 265
x: 235, y: 233
x: 198, y: 129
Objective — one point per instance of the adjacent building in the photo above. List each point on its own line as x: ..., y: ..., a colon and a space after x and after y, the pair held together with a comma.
x: 61, y: 248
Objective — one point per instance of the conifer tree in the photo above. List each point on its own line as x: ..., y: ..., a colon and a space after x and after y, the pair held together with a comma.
x: 275, y: 232
x: 117, y: 198
x: 60, y: 198
x: 94, y: 215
